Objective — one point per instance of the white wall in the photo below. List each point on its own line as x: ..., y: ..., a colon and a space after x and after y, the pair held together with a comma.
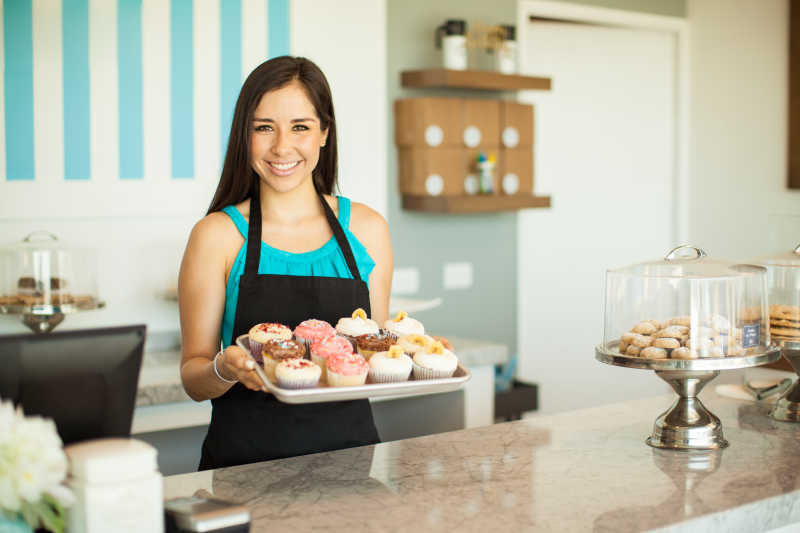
x: 739, y: 200
x: 139, y: 247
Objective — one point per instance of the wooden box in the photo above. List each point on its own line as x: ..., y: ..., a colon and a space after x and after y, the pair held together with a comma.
x: 516, y: 162
x: 428, y: 122
x: 418, y: 169
x: 516, y: 125
x: 483, y: 115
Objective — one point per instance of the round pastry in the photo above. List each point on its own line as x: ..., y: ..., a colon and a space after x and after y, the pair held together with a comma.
x: 434, y: 362
x: 310, y: 331
x: 642, y: 341
x: 402, y: 324
x: 355, y: 325
x: 390, y: 366
x: 368, y: 344
x: 682, y: 353
x: 645, y: 328
x: 275, y: 351
x: 411, y: 344
x: 322, y: 349
x: 667, y: 343
x: 261, y: 333
x: 346, y: 370
x: 297, y: 374
x: 651, y: 352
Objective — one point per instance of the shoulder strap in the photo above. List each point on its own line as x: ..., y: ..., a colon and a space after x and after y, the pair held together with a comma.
x: 344, y: 244
x: 254, y: 234
x: 237, y: 219
x: 344, y: 212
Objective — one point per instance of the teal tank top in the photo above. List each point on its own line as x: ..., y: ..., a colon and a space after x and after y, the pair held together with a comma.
x: 327, y: 261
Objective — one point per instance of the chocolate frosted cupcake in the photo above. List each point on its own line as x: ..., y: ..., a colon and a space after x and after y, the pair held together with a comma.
x: 368, y: 344
x: 261, y: 333
x: 275, y: 351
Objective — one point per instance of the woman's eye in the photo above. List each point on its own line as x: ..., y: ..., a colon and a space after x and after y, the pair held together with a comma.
x: 300, y: 127
x: 263, y: 128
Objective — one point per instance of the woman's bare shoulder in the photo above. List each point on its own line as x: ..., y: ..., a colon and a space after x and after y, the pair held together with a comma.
x: 368, y: 225
x: 215, y: 230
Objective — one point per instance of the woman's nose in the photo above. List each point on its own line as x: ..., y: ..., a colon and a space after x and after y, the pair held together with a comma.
x: 282, y: 143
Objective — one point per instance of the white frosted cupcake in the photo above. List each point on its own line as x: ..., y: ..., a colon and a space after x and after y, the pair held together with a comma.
x: 347, y: 370
x: 390, y: 367
x: 297, y: 374
x: 261, y: 333
x: 402, y: 325
x: 434, y: 362
x: 411, y: 344
x: 355, y: 325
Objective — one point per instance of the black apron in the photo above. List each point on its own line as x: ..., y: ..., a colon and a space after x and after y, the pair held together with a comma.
x: 249, y: 426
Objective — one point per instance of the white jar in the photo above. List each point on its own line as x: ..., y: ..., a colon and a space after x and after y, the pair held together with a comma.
x: 455, y: 52
x: 115, y: 481
x: 506, y: 58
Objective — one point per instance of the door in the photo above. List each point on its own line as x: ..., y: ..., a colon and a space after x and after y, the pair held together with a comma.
x: 605, y: 152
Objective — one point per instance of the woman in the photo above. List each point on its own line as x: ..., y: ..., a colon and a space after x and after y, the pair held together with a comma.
x: 277, y: 246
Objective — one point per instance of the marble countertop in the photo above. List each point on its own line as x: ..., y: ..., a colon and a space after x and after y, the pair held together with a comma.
x: 160, y: 381
x: 586, y: 470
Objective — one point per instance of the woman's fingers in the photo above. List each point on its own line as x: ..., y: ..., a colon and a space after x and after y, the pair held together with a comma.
x: 240, y: 364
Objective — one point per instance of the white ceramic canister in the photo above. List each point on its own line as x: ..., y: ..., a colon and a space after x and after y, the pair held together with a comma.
x: 117, y: 487
x: 452, y: 38
x: 506, y: 54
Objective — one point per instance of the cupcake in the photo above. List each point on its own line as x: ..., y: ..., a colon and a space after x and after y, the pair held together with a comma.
x: 346, y: 370
x: 434, y: 362
x: 390, y: 366
x: 297, y: 374
x: 275, y: 351
x: 310, y: 331
x: 261, y: 333
x: 355, y: 325
x: 368, y: 344
x: 327, y: 347
x: 411, y: 344
x: 402, y: 325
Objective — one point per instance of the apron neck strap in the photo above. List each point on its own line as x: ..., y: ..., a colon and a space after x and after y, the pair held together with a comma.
x: 254, y: 235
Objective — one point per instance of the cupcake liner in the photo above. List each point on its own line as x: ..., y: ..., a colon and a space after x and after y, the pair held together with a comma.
x: 307, y: 344
x: 297, y: 383
x: 269, y: 368
x: 322, y: 363
x: 255, y: 349
x: 421, y: 372
x: 387, y: 377
x: 340, y: 380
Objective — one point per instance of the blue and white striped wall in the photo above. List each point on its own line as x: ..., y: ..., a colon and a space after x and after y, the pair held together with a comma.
x: 104, y: 90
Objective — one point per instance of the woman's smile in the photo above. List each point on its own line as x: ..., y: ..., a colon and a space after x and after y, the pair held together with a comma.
x: 282, y: 168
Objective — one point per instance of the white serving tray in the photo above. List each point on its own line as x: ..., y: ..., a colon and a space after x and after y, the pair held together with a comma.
x: 324, y: 393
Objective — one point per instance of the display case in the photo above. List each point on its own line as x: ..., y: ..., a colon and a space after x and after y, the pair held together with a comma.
x: 783, y: 279
x: 43, y: 278
x: 687, y: 317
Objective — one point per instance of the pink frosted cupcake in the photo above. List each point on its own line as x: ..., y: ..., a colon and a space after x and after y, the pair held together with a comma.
x: 347, y: 370
x: 297, y: 374
x: 261, y: 333
x: 311, y: 331
x: 325, y: 348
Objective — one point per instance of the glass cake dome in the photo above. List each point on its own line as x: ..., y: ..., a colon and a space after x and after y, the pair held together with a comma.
x: 783, y: 280
x: 686, y: 306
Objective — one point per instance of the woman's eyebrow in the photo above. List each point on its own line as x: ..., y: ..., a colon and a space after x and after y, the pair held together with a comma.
x: 312, y: 119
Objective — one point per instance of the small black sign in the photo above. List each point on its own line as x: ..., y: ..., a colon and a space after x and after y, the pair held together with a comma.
x: 751, y: 335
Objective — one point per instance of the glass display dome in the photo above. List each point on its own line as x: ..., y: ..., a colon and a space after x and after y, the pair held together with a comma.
x: 686, y: 306
x: 783, y: 280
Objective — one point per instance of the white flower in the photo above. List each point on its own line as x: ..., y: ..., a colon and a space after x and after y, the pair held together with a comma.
x: 32, y: 461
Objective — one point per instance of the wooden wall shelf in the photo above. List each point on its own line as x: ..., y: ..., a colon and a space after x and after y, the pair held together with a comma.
x: 471, y: 79
x: 473, y: 204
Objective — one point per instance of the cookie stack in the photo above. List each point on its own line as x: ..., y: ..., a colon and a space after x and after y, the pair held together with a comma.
x: 674, y: 339
x: 784, y: 322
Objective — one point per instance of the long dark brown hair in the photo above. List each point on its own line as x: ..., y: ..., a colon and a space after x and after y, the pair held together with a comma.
x: 238, y: 177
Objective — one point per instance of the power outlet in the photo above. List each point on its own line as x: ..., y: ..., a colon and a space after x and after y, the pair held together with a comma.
x: 405, y: 281
x: 457, y: 275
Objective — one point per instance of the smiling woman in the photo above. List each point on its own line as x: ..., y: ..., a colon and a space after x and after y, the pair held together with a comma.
x: 278, y: 247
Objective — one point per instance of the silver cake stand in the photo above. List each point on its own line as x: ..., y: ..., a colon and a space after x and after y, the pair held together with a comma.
x: 687, y: 425
x: 787, y: 408
x: 44, y: 318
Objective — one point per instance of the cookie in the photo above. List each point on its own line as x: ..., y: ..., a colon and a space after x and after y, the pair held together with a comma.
x: 667, y: 342
x: 642, y: 341
x: 653, y: 353
x: 785, y: 332
x: 632, y: 350
x: 682, y: 353
x: 675, y: 332
x: 781, y: 322
x: 644, y: 328
x: 680, y: 321
x: 786, y: 312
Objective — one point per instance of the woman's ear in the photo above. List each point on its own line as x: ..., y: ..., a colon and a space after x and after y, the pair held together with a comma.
x: 324, y: 139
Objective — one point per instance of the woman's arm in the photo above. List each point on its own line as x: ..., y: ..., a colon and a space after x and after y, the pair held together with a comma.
x: 201, y: 297
x: 371, y: 229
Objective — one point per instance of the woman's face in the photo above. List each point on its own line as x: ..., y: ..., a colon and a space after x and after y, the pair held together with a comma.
x: 285, y: 138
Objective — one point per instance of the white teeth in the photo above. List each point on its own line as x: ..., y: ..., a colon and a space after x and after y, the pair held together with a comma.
x: 284, y: 166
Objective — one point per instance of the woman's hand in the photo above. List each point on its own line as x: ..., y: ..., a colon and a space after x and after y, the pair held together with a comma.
x: 444, y: 341
x: 235, y: 364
